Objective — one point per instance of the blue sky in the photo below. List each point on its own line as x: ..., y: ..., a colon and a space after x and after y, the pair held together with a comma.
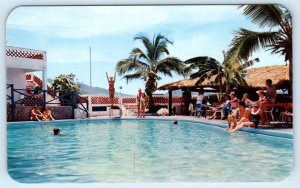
x: 66, y: 33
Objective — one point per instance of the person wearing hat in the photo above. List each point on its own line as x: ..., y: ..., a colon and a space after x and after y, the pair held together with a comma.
x: 256, y: 114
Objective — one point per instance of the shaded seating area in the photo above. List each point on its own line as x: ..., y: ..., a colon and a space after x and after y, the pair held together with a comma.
x: 276, y: 114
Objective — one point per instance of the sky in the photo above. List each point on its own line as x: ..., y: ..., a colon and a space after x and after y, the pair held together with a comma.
x: 66, y: 33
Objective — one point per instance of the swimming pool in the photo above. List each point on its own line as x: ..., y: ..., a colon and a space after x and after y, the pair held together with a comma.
x: 114, y: 150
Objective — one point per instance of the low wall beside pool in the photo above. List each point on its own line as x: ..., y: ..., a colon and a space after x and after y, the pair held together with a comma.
x: 22, y: 113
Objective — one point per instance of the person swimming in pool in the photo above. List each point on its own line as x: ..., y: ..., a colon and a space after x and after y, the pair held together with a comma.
x: 56, y: 131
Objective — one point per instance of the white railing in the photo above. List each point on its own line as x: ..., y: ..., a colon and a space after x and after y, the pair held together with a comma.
x: 129, y: 104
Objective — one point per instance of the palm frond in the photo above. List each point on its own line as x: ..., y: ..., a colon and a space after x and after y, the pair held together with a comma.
x: 136, y: 75
x: 138, y: 52
x: 248, y: 64
x: 198, y: 61
x: 170, y: 64
x: 160, y: 44
x: 128, y: 65
x: 264, y: 15
x: 148, y: 45
x: 246, y: 42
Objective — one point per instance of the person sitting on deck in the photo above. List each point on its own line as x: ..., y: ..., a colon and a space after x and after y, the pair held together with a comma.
x: 191, y: 109
x: 47, y: 116
x: 233, y: 98
x: 219, y: 110
x: 255, y: 117
x: 226, y: 108
x: 242, y: 113
x: 36, y: 114
x: 217, y: 113
x: 247, y: 101
x: 261, y: 97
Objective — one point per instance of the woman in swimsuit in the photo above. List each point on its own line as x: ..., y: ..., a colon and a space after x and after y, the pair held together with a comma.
x: 255, y: 117
x: 111, y: 88
x: 47, y: 116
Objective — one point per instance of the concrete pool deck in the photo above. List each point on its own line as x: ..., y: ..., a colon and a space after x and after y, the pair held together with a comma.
x: 288, y: 131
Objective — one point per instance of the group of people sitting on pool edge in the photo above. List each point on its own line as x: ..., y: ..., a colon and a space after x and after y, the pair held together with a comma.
x: 246, y: 112
x: 244, y: 116
x: 37, y: 115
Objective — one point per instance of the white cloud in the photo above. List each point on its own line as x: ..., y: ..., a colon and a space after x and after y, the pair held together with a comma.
x: 82, y: 22
x: 78, y: 22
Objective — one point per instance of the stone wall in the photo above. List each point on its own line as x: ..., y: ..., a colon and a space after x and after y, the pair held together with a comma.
x: 58, y: 112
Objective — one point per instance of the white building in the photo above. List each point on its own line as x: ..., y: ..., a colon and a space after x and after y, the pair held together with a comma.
x: 20, y: 61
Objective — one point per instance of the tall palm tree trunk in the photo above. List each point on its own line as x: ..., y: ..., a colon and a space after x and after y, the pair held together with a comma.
x: 151, y: 103
x: 221, y: 89
x: 150, y: 88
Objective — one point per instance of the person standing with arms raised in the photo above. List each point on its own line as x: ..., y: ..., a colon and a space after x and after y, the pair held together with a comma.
x: 111, y: 88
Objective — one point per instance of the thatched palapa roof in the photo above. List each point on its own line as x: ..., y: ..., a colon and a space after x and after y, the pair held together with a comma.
x: 256, y: 77
x: 186, y: 83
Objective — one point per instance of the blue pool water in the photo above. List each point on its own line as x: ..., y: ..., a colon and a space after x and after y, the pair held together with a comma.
x: 143, y: 151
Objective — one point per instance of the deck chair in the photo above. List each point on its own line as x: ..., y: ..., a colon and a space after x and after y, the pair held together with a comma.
x: 269, y: 114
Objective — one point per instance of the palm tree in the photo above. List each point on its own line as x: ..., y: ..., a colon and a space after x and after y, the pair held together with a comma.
x: 148, y: 64
x: 228, y: 73
x: 278, y: 39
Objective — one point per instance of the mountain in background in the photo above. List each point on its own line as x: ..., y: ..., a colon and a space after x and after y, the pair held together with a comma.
x: 87, y: 90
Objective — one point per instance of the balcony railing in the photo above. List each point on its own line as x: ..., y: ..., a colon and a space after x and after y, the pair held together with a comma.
x: 25, y: 53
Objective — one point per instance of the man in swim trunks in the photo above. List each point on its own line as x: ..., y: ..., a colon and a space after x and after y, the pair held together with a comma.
x: 138, y: 102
